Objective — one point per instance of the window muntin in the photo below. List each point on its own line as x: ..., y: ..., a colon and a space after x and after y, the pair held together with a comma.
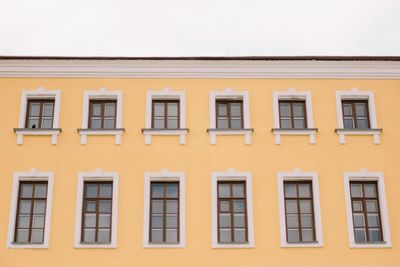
x: 97, y: 212
x: 165, y: 114
x: 102, y: 114
x: 164, y: 212
x: 232, y: 212
x: 31, y: 213
x: 40, y: 114
x: 355, y: 114
x: 229, y: 114
x: 299, y: 212
x: 292, y: 114
x: 367, y: 222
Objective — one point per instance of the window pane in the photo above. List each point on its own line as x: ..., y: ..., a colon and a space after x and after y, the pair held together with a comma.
x: 222, y: 123
x: 90, y: 220
x: 157, y: 190
x: 238, y: 220
x: 159, y: 123
x: 157, y: 221
x: 172, y: 190
x: 304, y: 190
x: 22, y: 235
x: 292, y: 221
x: 38, y: 221
x: 109, y: 123
x: 298, y: 110
x: 157, y: 206
x: 48, y: 109
x: 236, y: 123
x: 91, y: 190
x: 293, y: 235
x: 348, y: 123
x: 361, y: 109
x: 375, y: 235
x: 47, y: 123
x: 33, y: 123
x: 291, y: 206
x: 307, y: 235
x: 105, y: 206
x: 357, y: 206
x: 347, y: 110
x: 238, y: 206
x: 103, y: 236
x: 240, y: 235
x: 224, y: 220
x: 172, y: 206
x: 96, y: 109
x: 172, y: 123
x: 286, y: 123
x: 237, y: 190
x: 172, y: 109
x: 290, y: 190
x: 25, y: 206
x: 159, y: 109
x: 26, y: 190
x: 40, y: 207
x: 373, y: 220
x: 104, y: 220
x: 109, y: 109
x: 355, y: 190
x: 305, y: 206
x: 89, y: 235
x: 306, y: 221
x: 284, y: 109
x: 34, y: 109
x: 225, y: 235
x: 37, y: 236
x: 222, y: 109
x: 299, y: 124
x: 224, y: 206
x: 360, y: 235
x: 156, y: 235
x: 91, y: 206
x: 105, y: 190
x: 40, y: 191
x: 95, y: 123
x: 372, y: 206
x: 358, y: 220
x: 224, y: 190
x: 236, y: 110
x: 362, y: 123
x: 23, y: 221
x: 172, y: 221
x: 369, y: 190
x: 172, y: 235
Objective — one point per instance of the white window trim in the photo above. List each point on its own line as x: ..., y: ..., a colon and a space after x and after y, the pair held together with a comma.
x: 166, y: 94
x: 231, y: 175
x: 298, y: 175
x: 293, y: 94
x: 97, y: 175
x: 33, y: 176
x: 356, y: 94
x: 229, y: 93
x: 164, y: 176
x: 103, y: 93
x: 364, y: 175
x: 40, y: 93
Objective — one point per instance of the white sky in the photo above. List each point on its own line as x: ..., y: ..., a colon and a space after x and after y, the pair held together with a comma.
x: 199, y: 28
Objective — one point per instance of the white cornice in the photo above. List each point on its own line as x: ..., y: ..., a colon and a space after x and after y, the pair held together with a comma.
x: 201, y: 69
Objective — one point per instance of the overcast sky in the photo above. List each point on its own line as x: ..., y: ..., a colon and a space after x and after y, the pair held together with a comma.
x: 199, y: 28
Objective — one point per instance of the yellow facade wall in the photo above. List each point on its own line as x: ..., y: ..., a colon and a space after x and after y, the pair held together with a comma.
x: 198, y: 158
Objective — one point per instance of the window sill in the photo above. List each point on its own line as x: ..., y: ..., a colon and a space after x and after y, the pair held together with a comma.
x: 213, y: 132
x: 233, y: 245
x: 371, y: 245
x: 148, y: 132
x: 27, y: 245
x: 343, y: 132
x: 86, y: 131
x: 53, y: 132
x: 306, y: 131
x: 164, y: 245
x: 302, y: 244
x: 95, y: 245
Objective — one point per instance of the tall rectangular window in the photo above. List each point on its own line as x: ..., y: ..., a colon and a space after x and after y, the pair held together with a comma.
x: 292, y: 114
x: 355, y: 114
x: 299, y: 212
x: 164, y: 212
x: 232, y: 212
x: 366, y: 212
x: 102, y: 114
x: 31, y: 213
x: 165, y: 114
x: 229, y: 114
x: 40, y: 113
x: 97, y: 212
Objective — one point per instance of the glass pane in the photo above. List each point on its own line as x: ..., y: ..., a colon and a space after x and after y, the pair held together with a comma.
x: 286, y: 123
x: 158, y: 123
x: 348, y: 123
x: 358, y: 220
x: 284, y: 109
x: 292, y: 221
x: 238, y: 220
x: 360, y: 110
x: 37, y: 236
x: 34, y: 109
x: 369, y: 190
x: 172, y: 235
x: 23, y: 221
x: 172, y: 206
x: 306, y: 221
x: 224, y: 220
x: 224, y: 206
x: 372, y: 206
x: 304, y: 190
x: 293, y: 235
x: 291, y: 206
x: 236, y: 123
x: 357, y: 206
x: 224, y: 190
x: 307, y: 235
x: 109, y: 123
x: 47, y: 123
x: 105, y: 191
x: 109, y: 109
x: 48, y: 109
x: 33, y: 123
x: 38, y: 221
x: 90, y: 220
x: 172, y: 221
x: 104, y: 220
x: 222, y: 109
x: 25, y: 206
x: 225, y: 235
x: 157, y: 221
x: 236, y: 110
x: 26, y: 190
x: 362, y: 124
x: 374, y: 235
x: 91, y: 206
x: 172, y: 109
x: 156, y: 236
x: 103, y: 236
x: 238, y: 206
x: 172, y: 123
x: 157, y: 190
x: 172, y: 190
x: 105, y: 206
x: 96, y: 109
x: 299, y: 124
x: 298, y: 110
x: 95, y: 123
x: 290, y: 190
x: 360, y: 235
x: 355, y: 190
x: 159, y: 109
x: 373, y: 220
x: 157, y: 206
x: 347, y: 110
x: 91, y: 190
x: 89, y: 235
x: 22, y: 236
x: 40, y: 207
x: 305, y: 206
x: 40, y: 191
x: 222, y: 123
x: 237, y: 190
x: 240, y: 235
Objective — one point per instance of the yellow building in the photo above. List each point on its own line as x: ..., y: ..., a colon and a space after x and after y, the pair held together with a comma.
x: 239, y: 162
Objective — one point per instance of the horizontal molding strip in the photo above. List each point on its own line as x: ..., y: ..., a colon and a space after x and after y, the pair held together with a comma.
x: 201, y: 69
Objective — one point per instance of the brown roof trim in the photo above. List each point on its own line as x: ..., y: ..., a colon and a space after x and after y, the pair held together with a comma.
x: 246, y: 58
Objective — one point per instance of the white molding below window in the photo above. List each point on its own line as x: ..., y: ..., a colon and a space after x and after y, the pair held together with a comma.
x: 179, y: 132
x: 97, y: 175
x: 33, y: 176
x: 164, y: 176
x: 214, y: 132
x: 310, y: 132
x: 298, y: 175
x: 365, y: 175
x: 54, y: 133
x: 115, y: 132
x: 373, y: 132
x: 231, y: 175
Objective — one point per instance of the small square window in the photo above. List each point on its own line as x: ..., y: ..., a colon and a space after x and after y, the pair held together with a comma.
x: 292, y: 115
x: 102, y: 114
x: 355, y: 114
x: 229, y: 114
x: 166, y: 114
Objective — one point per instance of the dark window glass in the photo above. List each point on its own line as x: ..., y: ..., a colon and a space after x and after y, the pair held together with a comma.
x: 229, y: 114
x: 31, y: 212
x: 232, y: 212
x: 39, y: 114
x: 97, y: 212
x: 165, y: 114
x: 366, y: 212
x: 102, y: 114
x: 164, y: 212
x: 299, y: 212
x: 355, y: 114
x: 292, y: 114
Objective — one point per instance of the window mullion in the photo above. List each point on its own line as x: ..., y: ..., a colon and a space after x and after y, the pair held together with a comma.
x: 31, y: 215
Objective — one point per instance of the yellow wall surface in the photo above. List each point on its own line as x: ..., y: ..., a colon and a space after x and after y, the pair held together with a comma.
x: 198, y: 158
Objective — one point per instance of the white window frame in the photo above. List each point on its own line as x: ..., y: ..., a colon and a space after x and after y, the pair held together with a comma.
x: 298, y: 175
x: 164, y: 176
x: 229, y: 93
x: 166, y: 94
x: 356, y: 94
x: 293, y: 94
x: 33, y: 176
x: 40, y: 93
x: 231, y: 175
x: 97, y: 176
x: 364, y: 175
x: 102, y: 94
